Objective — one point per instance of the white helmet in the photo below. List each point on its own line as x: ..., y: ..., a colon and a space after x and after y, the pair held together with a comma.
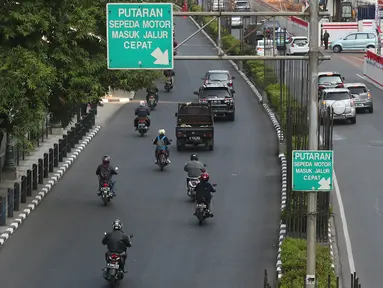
x: 161, y: 132
x: 142, y: 103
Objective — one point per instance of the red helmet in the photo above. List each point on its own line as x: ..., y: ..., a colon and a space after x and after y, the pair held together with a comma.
x: 204, y: 176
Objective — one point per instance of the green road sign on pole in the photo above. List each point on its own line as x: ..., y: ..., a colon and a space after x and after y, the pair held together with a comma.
x: 312, y: 170
x: 139, y: 35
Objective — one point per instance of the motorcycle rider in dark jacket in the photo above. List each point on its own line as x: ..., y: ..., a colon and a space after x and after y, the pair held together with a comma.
x: 204, y: 190
x: 116, y: 241
x: 169, y: 73
x: 152, y: 90
x: 194, y: 168
x: 142, y: 112
x: 103, y: 168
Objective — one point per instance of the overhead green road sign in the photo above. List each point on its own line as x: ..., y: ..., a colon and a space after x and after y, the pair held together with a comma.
x: 139, y: 35
x: 312, y: 170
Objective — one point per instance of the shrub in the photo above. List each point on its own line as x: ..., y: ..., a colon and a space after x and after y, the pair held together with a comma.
x: 293, y: 257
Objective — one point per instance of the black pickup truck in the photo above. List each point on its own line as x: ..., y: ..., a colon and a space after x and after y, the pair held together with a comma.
x: 195, y: 125
x: 220, y: 98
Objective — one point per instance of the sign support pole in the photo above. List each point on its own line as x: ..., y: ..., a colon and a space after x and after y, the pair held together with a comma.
x: 313, y: 142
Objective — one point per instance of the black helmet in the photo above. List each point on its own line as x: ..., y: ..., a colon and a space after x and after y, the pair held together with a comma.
x: 117, y: 225
x: 106, y: 159
x: 194, y: 157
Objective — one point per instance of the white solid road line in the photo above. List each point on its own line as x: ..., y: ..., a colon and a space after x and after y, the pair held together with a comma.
x: 346, y: 234
x: 344, y: 225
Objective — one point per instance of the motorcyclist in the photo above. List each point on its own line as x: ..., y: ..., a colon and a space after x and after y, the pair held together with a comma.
x: 194, y: 168
x: 162, y: 142
x: 175, y: 44
x: 152, y: 90
x: 169, y: 73
x: 204, y: 190
x: 117, y: 242
x: 105, y: 171
x: 142, y: 112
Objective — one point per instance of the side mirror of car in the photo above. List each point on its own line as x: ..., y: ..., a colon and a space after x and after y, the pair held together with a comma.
x: 233, y: 91
x: 204, y: 165
x: 343, y: 78
x: 232, y: 77
x: 176, y: 114
x: 214, y: 185
x: 196, y: 93
x: 131, y: 236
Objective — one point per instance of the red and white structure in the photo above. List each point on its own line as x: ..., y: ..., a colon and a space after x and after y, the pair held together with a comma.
x: 373, y: 68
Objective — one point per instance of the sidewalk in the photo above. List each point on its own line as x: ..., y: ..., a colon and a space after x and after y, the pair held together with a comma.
x: 104, y: 114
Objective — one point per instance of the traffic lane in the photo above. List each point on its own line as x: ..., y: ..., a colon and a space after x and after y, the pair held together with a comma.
x: 360, y: 184
x: 169, y: 246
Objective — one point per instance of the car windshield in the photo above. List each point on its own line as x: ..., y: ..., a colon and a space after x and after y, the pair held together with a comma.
x: 336, y: 96
x: 214, y: 93
x: 244, y: 3
x: 334, y: 79
x: 218, y: 77
x: 357, y: 90
x: 301, y: 41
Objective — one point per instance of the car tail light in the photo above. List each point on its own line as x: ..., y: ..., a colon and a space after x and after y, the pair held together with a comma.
x: 202, y: 101
x: 321, y: 87
x: 369, y: 95
x: 208, y: 135
x: 230, y: 84
x: 106, y: 184
x: 292, y: 44
x: 229, y: 100
x: 341, y: 85
x: 180, y: 134
x: 206, y: 82
x: 352, y: 102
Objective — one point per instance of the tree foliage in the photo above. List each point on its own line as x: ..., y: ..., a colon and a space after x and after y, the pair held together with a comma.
x: 53, y: 56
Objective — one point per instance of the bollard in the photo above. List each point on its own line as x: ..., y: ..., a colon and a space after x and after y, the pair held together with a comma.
x: 68, y: 142
x: 73, y: 140
x: 56, y: 154
x: 40, y: 172
x: 24, y: 184
x: 34, y: 177
x: 16, y: 189
x: 60, y: 151
x: 11, y: 202
x: 76, y: 133
x: 50, y: 160
x: 65, y: 145
x: 3, y: 209
x: 45, y: 165
x: 29, y: 183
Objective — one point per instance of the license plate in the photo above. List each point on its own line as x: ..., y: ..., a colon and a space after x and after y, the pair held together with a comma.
x: 104, y: 188
x: 110, y: 265
x: 359, y: 105
x: 195, y: 138
x: 141, y: 125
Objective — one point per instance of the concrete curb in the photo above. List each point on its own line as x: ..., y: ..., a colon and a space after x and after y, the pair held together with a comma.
x: 282, y: 157
x: 48, y: 187
x: 115, y: 100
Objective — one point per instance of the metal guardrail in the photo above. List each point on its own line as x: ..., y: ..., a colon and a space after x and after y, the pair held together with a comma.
x: 22, y: 189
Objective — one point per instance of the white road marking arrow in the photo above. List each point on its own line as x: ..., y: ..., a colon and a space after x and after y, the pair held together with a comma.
x: 161, y: 58
x: 324, y: 184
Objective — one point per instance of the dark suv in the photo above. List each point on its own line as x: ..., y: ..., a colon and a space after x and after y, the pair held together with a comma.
x: 220, y: 98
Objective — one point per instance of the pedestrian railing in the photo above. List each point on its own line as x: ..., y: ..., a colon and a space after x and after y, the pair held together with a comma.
x: 22, y: 189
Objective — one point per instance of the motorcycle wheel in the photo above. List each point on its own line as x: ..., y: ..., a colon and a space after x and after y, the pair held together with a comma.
x: 105, y: 200
x: 113, y: 282
x: 142, y: 133
x: 167, y: 88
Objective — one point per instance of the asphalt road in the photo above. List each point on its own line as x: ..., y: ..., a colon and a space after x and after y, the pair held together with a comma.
x: 60, y: 244
x: 358, y: 164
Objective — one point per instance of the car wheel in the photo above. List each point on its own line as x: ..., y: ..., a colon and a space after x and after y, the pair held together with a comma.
x: 370, y: 47
x: 337, y: 49
x: 371, y: 109
x: 353, y: 120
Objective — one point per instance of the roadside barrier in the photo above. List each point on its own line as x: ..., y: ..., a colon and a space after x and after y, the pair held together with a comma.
x: 22, y: 189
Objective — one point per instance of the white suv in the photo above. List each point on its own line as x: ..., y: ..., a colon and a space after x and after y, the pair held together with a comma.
x: 341, y: 101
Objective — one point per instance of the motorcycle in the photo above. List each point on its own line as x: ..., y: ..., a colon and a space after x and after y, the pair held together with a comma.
x: 192, y: 183
x: 201, y: 211
x: 106, y: 191
x: 142, y: 127
x: 168, y: 85
x: 152, y: 104
x: 112, y: 272
x: 162, y: 160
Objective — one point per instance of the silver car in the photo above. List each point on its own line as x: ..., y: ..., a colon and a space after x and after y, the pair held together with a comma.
x: 362, y: 96
x: 341, y: 102
x: 219, y: 77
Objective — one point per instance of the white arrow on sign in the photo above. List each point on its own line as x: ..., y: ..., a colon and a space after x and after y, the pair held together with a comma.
x: 324, y: 184
x: 161, y: 58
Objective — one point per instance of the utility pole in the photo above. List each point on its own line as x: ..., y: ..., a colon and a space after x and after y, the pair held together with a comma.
x: 313, y: 140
